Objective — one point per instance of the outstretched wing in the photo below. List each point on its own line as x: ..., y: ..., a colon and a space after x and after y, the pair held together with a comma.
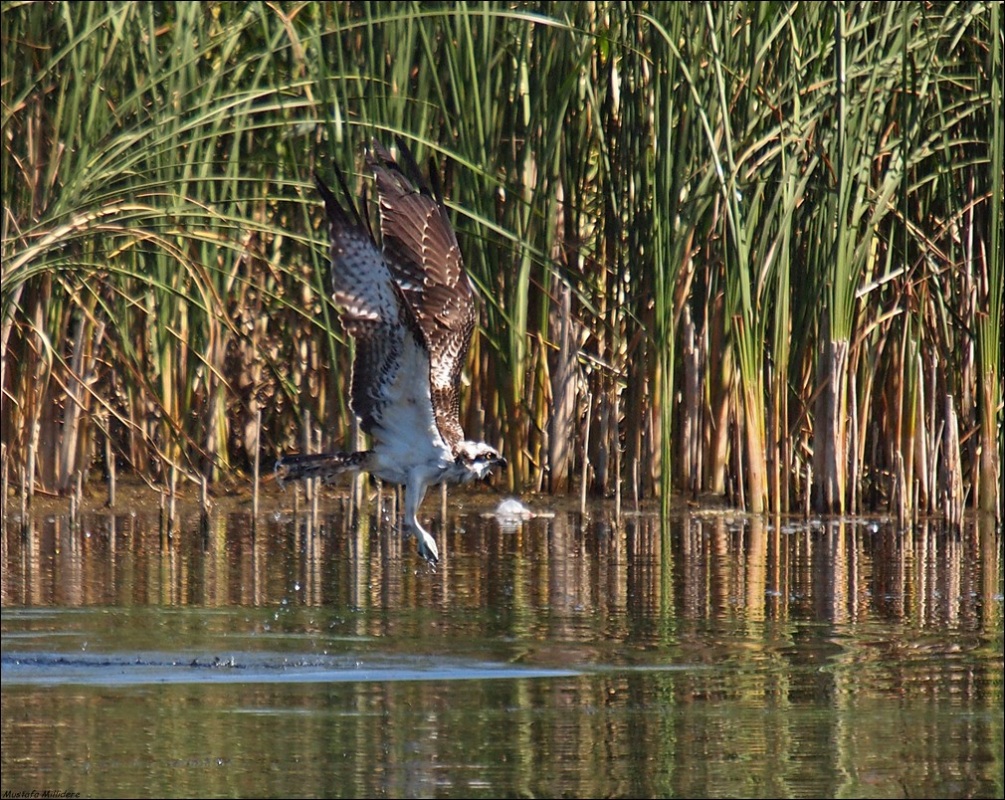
x: 390, y: 372
x: 421, y: 251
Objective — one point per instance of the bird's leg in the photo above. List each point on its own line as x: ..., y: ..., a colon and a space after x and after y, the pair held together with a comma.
x: 415, y: 490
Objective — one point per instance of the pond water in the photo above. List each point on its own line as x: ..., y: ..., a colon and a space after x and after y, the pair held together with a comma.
x: 565, y: 655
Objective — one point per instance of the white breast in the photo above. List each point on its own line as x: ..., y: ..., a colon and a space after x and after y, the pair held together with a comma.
x: 406, y: 437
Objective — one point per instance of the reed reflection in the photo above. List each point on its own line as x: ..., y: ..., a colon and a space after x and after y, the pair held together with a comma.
x: 559, y: 569
x: 711, y: 654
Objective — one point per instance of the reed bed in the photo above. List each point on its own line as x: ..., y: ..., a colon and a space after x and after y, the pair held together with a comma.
x: 751, y: 249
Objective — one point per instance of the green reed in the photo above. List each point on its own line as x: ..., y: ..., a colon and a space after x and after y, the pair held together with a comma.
x: 716, y: 243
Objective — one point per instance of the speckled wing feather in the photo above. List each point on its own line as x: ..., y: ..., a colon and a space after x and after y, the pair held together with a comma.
x: 421, y: 251
x: 373, y: 310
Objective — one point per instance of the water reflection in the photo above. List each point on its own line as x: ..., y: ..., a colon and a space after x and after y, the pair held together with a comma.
x: 707, y: 655
x: 695, y: 567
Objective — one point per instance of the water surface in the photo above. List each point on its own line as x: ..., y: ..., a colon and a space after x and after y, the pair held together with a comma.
x: 714, y: 655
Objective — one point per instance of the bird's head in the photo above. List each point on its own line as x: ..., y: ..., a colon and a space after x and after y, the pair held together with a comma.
x: 477, y: 459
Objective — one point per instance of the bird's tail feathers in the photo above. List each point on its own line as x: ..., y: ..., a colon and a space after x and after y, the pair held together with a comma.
x: 326, y: 466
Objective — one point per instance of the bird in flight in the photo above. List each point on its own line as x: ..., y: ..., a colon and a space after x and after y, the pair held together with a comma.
x: 409, y: 306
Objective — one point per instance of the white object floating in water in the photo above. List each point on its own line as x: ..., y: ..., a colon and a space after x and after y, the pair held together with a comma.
x: 511, y: 508
x: 510, y: 513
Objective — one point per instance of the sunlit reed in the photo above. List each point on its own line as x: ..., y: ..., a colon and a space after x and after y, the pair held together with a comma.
x: 721, y: 247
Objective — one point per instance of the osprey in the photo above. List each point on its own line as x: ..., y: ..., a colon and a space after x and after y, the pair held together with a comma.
x: 410, y: 308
